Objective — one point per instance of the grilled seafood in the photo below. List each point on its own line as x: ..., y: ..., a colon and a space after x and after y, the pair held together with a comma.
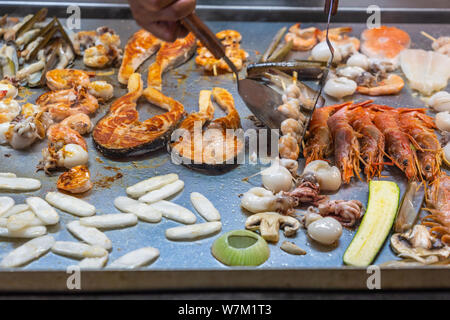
x: 426, y: 71
x: 438, y: 199
x: 442, y: 45
x: 141, y: 46
x: 319, y: 143
x: 79, y: 122
x: 302, y: 39
x: 384, y: 43
x: 101, y: 90
x: 63, y: 103
x: 76, y: 180
x: 28, y: 127
x: 231, y: 41
x: 7, y: 90
x: 101, y: 47
x: 371, y: 142
x: 420, y: 129
x: 397, y: 142
x: 348, y: 213
x: 207, y: 144
x: 120, y: 133
x: 170, y: 56
x: 393, y: 84
x: 63, y: 134
x: 307, y: 191
x: 288, y: 147
x: 60, y: 79
x: 340, y: 87
x: 346, y: 144
x: 9, y: 109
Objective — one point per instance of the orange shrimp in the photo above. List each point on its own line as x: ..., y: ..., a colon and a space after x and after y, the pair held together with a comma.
x: 438, y: 198
x: 346, y: 144
x: 397, y: 142
x: 319, y: 144
x: 60, y: 79
x: 76, y: 180
x: 63, y: 103
x: 63, y: 133
x: 420, y: 129
x: 372, y: 142
x: 302, y: 39
x: 79, y: 122
x: 393, y: 84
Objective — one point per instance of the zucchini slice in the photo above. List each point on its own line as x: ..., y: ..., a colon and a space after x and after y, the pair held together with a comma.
x: 377, y: 222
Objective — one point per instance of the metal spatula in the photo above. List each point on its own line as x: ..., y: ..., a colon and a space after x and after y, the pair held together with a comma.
x: 258, y: 97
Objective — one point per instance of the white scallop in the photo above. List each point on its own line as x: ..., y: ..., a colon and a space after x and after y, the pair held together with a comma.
x: 110, y: 221
x: 72, y: 155
x: 194, y: 231
x: 89, y: 235
x: 141, y: 210
x: 78, y: 250
x: 6, y: 203
x: 135, y: 259
x: 27, y: 252
x: 443, y: 121
x: 70, y: 204
x: 174, y: 212
x: 154, y: 183
x: 326, y: 231
x: 43, y: 210
x: 163, y: 193
x: 204, y: 207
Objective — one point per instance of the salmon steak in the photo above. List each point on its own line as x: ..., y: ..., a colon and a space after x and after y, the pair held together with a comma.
x: 206, y: 144
x: 120, y: 133
x: 141, y: 46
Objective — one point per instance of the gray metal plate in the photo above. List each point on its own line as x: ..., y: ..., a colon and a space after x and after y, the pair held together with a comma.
x: 184, y: 85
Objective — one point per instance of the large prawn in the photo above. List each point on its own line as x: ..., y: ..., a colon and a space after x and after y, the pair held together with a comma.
x: 397, y: 142
x: 346, y: 144
x: 438, y: 198
x: 420, y: 129
x: 319, y: 144
x: 372, y: 141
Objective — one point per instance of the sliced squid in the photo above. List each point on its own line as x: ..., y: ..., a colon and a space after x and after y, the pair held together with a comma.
x: 93, y: 263
x: 135, y: 259
x: 43, y: 210
x: 163, y: 193
x: 174, y: 212
x: 78, y: 250
x: 70, y: 204
x: 7, y: 175
x: 23, y: 220
x: 141, y: 210
x: 27, y: 252
x: 154, y: 183
x: 89, y: 235
x: 19, y: 184
x: 204, y: 207
x: 27, y: 233
x: 6, y: 203
x: 15, y: 210
x: 110, y: 221
x: 193, y: 232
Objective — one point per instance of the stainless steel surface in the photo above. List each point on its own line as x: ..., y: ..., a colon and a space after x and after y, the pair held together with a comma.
x: 320, y: 268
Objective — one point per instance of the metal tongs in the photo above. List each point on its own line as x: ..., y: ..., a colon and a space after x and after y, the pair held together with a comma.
x: 261, y: 99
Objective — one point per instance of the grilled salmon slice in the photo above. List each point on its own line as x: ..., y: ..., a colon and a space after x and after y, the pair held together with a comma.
x: 120, y: 133
x: 170, y: 56
x: 215, y: 147
x: 141, y: 46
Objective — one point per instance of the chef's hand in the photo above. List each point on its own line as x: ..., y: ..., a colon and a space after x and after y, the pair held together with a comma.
x: 162, y: 17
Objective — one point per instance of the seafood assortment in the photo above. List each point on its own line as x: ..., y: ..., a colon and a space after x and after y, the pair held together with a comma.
x: 341, y: 143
